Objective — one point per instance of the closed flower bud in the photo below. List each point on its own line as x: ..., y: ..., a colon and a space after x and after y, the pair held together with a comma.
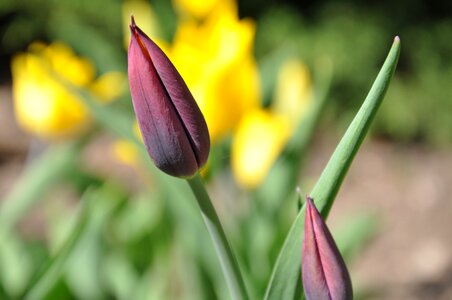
x: 324, y: 274
x: 171, y: 123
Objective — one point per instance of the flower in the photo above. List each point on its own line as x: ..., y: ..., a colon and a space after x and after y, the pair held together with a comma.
x: 196, y: 8
x: 42, y: 105
x: 262, y: 134
x: 323, y: 269
x: 173, y: 128
x: 215, y: 57
x: 293, y: 93
x: 125, y: 151
x: 257, y: 143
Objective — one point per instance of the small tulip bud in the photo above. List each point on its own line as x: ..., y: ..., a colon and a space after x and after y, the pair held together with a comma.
x: 171, y: 123
x: 324, y: 274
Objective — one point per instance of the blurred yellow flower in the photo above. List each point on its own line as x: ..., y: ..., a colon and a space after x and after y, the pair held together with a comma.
x: 196, y: 8
x: 126, y: 151
x: 108, y: 86
x: 258, y: 142
x: 42, y: 105
x: 293, y: 92
x: 215, y: 58
x: 262, y: 135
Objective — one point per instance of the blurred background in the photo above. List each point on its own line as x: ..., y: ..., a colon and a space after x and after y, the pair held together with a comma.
x: 74, y: 184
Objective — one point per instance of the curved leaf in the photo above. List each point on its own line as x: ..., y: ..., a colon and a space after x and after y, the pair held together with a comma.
x: 284, y: 283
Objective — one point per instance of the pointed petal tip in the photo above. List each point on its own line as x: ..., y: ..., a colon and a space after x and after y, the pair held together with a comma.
x: 324, y: 273
x: 178, y: 139
x: 133, y: 26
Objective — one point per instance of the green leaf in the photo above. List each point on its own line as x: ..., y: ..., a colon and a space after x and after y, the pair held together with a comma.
x: 46, y: 277
x: 81, y: 272
x: 285, y: 278
x: 283, y: 176
x: 119, y: 275
x: 16, y: 265
x: 42, y: 173
x: 96, y: 207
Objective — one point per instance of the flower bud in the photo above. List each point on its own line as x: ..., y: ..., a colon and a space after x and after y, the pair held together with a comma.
x: 323, y: 269
x: 171, y: 123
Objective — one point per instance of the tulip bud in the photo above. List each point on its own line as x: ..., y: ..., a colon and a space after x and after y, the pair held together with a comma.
x: 171, y: 123
x: 323, y: 269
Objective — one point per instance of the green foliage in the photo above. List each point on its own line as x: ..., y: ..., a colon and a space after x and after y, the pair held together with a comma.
x: 150, y: 242
x: 420, y: 89
x: 285, y: 278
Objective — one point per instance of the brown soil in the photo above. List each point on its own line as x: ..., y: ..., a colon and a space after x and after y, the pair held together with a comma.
x: 410, y: 189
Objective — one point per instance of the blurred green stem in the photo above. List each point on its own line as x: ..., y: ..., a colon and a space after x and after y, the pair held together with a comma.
x: 45, y: 278
x: 228, y: 261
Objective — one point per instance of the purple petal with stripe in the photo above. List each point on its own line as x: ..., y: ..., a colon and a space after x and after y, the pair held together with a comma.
x: 324, y: 273
x: 172, y: 125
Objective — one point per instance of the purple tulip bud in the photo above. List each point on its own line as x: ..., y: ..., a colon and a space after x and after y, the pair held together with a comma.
x: 171, y: 123
x: 324, y: 274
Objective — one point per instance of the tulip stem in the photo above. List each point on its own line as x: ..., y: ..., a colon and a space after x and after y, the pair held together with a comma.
x: 228, y: 262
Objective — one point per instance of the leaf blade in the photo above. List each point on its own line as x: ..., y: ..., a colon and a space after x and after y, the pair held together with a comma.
x: 285, y: 277
x: 37, y: 178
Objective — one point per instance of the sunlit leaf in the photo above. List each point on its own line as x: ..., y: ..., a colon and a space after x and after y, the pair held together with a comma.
x: 286, y: 273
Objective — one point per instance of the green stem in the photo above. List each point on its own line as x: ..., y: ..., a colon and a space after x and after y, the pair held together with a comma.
x: 228, y: 261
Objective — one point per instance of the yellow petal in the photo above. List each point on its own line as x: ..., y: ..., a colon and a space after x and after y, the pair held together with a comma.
x: 109, y: 86
x: 215, y: 58
x: 42, y: 105
x: 126, y: 152
x: 259, y: 140
x: 293, y: 92
x: 195, y: 8
x: 232, y: 93
x: 78, y: 71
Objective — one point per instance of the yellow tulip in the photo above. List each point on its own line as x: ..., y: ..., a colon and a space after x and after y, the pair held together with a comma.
x: 196, y: 8
x: 42, y: 105
x: 215, y: 59
x: 262, y: 135
x: 258, y: 142
x: 126, y: 151
x: 293, y: 93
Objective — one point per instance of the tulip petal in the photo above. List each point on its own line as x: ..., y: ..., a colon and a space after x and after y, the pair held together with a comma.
x: 324, y: 273
x: 183, y: 101
x: 173, y: 128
